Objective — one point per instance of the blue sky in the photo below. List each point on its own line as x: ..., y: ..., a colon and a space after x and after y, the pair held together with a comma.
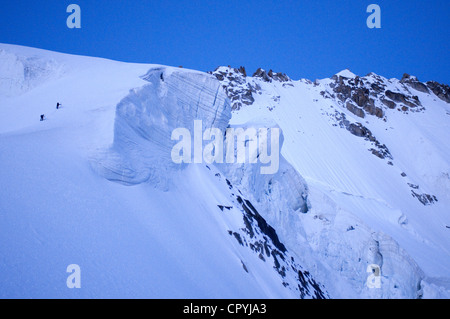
x: 305, y: 39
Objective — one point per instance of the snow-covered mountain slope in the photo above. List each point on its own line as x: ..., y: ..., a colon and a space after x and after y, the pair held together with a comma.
x: 94, y: 185
x: 375, y: 155
x: 359, y: 183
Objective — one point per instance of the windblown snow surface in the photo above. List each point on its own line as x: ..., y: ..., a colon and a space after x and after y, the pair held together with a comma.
x: 94, y: 185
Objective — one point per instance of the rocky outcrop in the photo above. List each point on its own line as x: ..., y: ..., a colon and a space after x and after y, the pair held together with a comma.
x: 371, y: 95
x: 425, y: 199
x: 355, y: 110
x: 260, y: 73
x: 390, y: 104
x: 269, y: 76
x: 410, y: 101
x: 357, y: 95
x: 240, y: 88
x: 359, y: 130
x: 442, y: 91
x: 263, y: 240
x: 414, y: 83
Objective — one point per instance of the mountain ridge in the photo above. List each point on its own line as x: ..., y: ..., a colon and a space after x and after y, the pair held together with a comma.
x: 359, y: 180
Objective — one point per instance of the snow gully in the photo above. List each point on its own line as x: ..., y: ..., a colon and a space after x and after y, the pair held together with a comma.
x: 239, y: 143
